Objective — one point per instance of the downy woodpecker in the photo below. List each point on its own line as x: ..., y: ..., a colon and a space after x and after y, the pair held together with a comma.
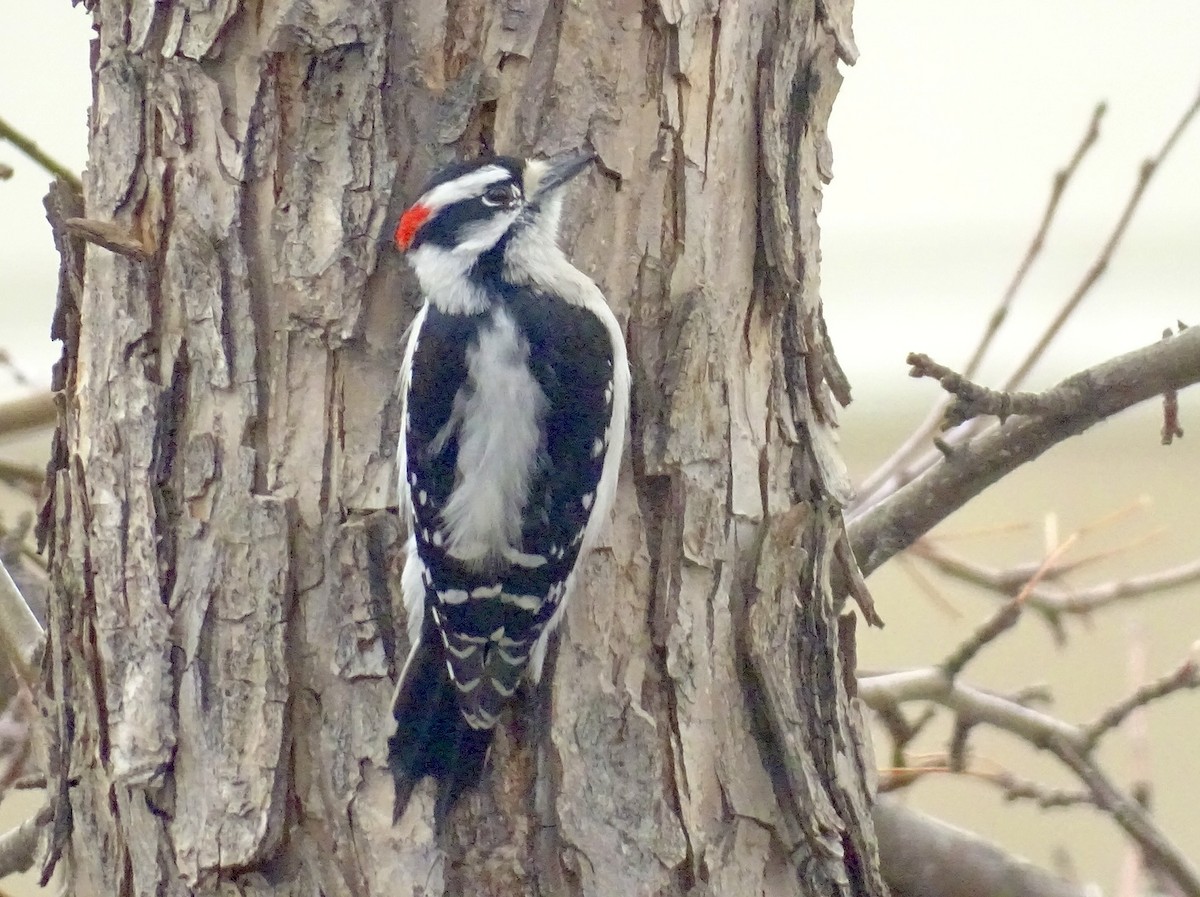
x: 516, y: 394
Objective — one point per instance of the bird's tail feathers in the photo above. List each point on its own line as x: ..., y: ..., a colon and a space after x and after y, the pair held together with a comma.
x: 432, y: 738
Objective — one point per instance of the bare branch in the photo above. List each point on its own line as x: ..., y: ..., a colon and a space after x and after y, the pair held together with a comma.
x: 1158, y: 849
x: 1016, y: 788
x: 22, y: 476
x: 902, y: 468
x: 1070, y: 744
x: 932, y: 684
x: 30, y: 149
x: 1004, y: 619
x: 924, y: 857
x: 30, y: 413
x: 972, y: 400
x: 892, y: 525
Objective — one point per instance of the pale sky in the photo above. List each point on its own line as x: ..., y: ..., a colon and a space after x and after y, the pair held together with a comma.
x: 945, y: 137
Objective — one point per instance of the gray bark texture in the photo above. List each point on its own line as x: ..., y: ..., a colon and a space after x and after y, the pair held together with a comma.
x: 226, y: 628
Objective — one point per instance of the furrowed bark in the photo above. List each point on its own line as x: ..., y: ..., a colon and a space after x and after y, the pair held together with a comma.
x: 226, y: 629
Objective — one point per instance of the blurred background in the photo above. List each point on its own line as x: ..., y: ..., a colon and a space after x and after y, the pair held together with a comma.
x: 945, y: 136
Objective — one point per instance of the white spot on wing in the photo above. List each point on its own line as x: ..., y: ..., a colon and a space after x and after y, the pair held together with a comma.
x: 501, y: 689
x: 462, y: 653
x: 453, y: 596
x: 524, y: 602
x: 480, y: 720
x: 587, y: 500
x: 513, y: 660
x: 468, y: 687
x: 486, y: 591
x: 521, y: 559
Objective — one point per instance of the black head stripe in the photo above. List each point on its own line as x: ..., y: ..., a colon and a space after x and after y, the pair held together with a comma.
x: 450, y: 223
x: 457, y: 169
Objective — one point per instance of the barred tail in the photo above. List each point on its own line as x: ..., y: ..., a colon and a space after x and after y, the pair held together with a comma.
x: 432, y: 738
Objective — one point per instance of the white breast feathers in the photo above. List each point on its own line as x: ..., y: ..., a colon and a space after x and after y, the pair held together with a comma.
x: 498, y: 415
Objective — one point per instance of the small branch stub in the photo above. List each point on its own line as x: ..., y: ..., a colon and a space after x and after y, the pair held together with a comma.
x: 111, y: 236
x: 973, y: 400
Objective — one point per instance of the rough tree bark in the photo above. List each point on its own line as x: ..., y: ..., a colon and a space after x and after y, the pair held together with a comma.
x: 226, y: 628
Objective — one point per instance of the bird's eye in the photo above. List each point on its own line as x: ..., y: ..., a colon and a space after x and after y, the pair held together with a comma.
x: 502, y: 195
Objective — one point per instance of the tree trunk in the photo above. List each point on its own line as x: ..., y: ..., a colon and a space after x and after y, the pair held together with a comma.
x: 227, y: 628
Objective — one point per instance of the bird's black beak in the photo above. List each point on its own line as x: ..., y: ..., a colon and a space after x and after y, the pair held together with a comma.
x: 562, y: 168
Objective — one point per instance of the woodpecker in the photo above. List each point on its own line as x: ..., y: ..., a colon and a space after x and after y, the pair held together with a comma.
x: 515, y: 384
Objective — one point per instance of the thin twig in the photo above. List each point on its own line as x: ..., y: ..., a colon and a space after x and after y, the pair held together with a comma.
x: 1185, y: 676
x: 1057, y: 599
x: 18, y: 845
x: 30, y: 149
x: 1171, y: 429
x: 1059, y: 186
x: 1157, y: 848
x: 1004, y: 618
x: 1012, y: 786
x: 920, y: 437
x: 927, y: 588
x: 972, y: 400
x: 19, y: 376
x: 21, y: 635
x: 1149, y: 168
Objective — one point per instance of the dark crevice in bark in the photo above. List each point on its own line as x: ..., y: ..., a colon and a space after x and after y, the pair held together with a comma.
x: 164, y: 480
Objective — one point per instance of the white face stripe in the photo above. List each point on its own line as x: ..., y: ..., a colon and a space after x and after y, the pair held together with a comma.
x: 478, y: 238
x: 465, y: 187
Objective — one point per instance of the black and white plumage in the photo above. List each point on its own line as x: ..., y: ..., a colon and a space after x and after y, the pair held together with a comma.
x: 516, y: 392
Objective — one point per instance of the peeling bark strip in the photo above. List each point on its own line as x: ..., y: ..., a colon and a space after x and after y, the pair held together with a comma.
x: 225, y: 634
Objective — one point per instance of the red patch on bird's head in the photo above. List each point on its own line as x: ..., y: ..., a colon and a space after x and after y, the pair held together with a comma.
x: 410, y: 223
